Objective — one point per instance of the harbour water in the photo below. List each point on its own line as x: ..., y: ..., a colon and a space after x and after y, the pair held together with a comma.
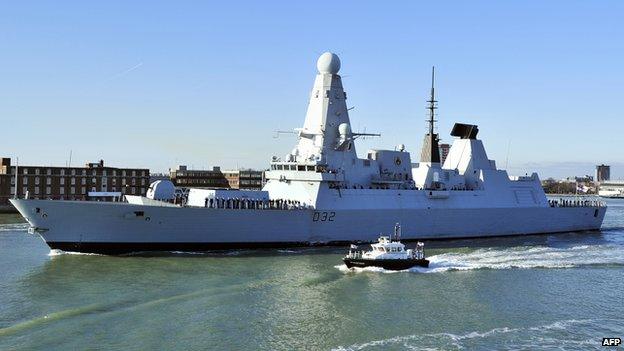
x: 535, y: 293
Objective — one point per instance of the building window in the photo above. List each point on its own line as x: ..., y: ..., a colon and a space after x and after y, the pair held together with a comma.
x: 133, y: 190
x: 123, y: 173
x: 133, y: 181
x: 73, y: 190
x: 48, y: 180
x: 37, y: 180
x: 73, y: 181
x: 62, y: 181
x: 84, y: 172
x: 83, y: 181
x: 123, y: 181
x: 48, y: 190
x: 93, y: 189
x: 25, y: 182
x: 73, y: 172
x: 93, y: 180
x: 134, y: 173
x: 114, y: 173
x: 36, y: 190
x: 24, y: 190
x: 62, y: 191
x: 48, y: 171
x: 62, y: 171
x: 36, y: 170
x: 25, y: 171
x: 104, y: 172
x: 83, y: 190
x: 143, y: 181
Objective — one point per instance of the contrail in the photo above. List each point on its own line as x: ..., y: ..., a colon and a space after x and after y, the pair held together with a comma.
x: 123, y: 73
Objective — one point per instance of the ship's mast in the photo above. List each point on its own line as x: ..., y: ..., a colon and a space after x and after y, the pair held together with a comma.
x: 432, y: 103
x: 430, y: 151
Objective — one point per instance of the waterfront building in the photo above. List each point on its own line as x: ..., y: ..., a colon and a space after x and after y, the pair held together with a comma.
x: 158, y: 176
x: 216, y: 178
x: 184, y: 177
x: 70, y: 183
x: 603, y: 173
x: 250, y: 179
x: 612, y: 188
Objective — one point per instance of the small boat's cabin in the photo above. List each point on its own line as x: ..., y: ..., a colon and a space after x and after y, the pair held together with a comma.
x: 386, y: 245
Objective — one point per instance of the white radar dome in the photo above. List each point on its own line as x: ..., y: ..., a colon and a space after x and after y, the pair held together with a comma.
x: 161, y: 190
x: 328, y: 63
x: 344, y: 129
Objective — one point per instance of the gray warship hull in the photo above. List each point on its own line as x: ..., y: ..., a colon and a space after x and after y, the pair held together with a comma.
x: 116, y: 228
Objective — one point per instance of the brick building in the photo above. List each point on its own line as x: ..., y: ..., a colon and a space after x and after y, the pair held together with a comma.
x: 216, y: 178
x: 70, y: 183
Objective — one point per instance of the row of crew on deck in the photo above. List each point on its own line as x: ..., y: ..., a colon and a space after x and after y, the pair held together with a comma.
x: 575, y: 203
x: 398, y: 187
x: 254, y: 204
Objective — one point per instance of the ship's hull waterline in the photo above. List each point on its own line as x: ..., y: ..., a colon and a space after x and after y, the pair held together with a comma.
x: 116, y: 228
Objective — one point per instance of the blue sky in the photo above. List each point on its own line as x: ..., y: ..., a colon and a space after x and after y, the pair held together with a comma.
x: 206, y: 83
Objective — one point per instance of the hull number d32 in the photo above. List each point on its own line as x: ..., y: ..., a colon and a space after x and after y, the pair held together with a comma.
x: 323, y: 216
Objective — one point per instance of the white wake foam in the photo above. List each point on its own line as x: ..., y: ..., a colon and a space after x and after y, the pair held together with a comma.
x: 515, y: 257
x: 55, y: 253
x: 542, y: 337
x: 13, y: 227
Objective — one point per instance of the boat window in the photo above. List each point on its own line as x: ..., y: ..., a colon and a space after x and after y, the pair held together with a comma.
x: 301, y: 168
x: 310, y: 168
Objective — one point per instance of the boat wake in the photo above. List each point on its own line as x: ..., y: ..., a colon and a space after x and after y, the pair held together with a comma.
x: 557, y: 335
x: 13, y: 227
x: 55, y: 253
x: 516, y: 258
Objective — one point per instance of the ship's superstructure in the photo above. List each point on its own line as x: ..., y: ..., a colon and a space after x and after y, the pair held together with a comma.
x: 323, y: 193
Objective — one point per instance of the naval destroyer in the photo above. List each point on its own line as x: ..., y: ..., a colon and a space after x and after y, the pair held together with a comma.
x: 323, y: 193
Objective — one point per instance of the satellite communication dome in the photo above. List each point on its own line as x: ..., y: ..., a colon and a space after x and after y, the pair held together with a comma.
x: 161, y: 190
x: 328, y: 63
x: 344, y: 129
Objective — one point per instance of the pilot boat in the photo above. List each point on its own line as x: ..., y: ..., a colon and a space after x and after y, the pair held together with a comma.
x: 387, y: 254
